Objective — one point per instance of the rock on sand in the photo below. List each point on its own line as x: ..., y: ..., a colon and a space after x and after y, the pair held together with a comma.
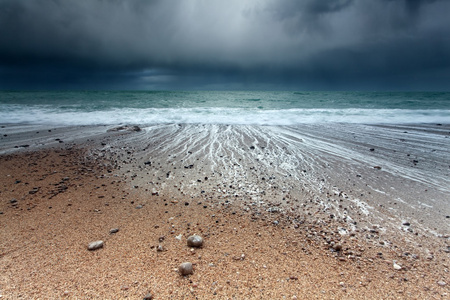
x: 195, y: 241
x: 185, y: 268
x: 95, y: 245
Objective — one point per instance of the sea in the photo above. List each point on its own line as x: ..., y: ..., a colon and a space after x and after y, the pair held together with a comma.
x: 221, y: 107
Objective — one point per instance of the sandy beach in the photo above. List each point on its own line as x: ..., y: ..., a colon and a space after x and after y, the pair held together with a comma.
x: 315, y: 211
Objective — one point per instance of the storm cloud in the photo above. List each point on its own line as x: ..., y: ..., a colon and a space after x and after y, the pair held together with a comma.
x: 199, y: 44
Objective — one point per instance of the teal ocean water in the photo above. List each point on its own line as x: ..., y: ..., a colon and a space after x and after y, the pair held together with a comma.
x: 221, y: 107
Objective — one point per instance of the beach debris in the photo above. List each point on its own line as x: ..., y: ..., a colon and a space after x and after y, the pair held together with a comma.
x: 195, y: 241
x: 185, y: 268
x: 114, y: 230
x: 95, y: 245
x: 396, y: 266
x: 377, y: 167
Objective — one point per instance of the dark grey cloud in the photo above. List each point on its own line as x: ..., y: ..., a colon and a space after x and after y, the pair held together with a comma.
x: 310, y: 44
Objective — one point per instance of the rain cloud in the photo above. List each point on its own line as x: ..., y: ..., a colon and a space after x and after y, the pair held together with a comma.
x: 235, y: 44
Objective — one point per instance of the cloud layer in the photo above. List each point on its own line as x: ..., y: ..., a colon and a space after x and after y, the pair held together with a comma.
x: 234, y: 44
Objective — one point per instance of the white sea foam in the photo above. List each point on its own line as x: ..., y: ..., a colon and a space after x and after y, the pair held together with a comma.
x: 215, y: 115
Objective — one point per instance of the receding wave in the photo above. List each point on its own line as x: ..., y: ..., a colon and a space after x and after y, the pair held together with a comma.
x: 58, y: 116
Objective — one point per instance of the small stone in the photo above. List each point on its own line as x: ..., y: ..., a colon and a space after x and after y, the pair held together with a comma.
x: 33, y: 191
x: 396, y: 266
x: 406, y: 224
x: 148, y: 297
x: 134, y: 128
x: 95, y: 245
x: 160, y: 248
x: 195, y: 241
x: 114, y: 230
x: 185, y: 268
x: 139, y: 207
x: 337, y: 247
x: 13, y: 201
x: 273, y: 209
x: 442, y: 283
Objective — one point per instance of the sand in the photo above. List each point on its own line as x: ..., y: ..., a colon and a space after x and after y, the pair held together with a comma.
x: 271, y: 229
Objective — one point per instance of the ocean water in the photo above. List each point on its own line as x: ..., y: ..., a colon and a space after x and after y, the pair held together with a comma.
x: 221, y: 107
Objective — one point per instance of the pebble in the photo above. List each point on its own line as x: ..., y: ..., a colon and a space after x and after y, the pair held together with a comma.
x: 442, y: 283
x: 195, y: 241
x: 337, y: 247
x: 185, y: 268
x: 148, y: 297
x: 95, y: 245
x: 139, y: 207
x: 114, y: 230
x: 396, y: 266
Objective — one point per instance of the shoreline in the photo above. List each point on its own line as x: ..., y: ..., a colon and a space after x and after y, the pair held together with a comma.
x: 241, y: 200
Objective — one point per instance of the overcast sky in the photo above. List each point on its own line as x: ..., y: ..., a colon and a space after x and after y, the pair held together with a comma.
x: 225, y: 44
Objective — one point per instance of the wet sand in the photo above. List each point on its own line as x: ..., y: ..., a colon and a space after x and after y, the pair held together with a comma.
x: 294, y: 212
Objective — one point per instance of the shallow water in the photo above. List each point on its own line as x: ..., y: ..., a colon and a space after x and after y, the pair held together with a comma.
x: 318, y: 167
